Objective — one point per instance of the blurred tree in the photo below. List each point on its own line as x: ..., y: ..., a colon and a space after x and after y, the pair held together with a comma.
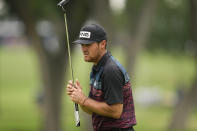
x: 170, y: 27
x: 142, y: 30
x: 52, y: 65
x: 182, y: 111
x: 102, y: 14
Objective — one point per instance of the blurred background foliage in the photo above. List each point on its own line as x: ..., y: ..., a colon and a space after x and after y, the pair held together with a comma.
x: 155, y: 40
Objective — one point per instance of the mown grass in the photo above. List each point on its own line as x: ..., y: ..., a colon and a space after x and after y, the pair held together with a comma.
x: 20, y: 81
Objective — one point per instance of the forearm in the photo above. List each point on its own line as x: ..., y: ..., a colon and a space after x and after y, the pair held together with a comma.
x: 86, y: 110
x: 102, y: 108
x: 89, y: 105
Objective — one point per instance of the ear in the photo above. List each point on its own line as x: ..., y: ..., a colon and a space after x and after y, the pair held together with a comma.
x: 103, y: 44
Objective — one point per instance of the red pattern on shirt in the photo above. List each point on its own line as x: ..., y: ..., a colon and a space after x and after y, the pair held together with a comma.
x: 127, y: 118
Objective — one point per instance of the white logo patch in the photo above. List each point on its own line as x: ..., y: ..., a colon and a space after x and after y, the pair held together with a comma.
x: 84, y: 34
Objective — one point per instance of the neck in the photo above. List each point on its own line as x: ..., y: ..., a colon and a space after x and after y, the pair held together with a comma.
x: 99, y: 58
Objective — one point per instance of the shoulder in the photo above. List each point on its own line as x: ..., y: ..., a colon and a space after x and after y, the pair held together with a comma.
x: 111, y: 68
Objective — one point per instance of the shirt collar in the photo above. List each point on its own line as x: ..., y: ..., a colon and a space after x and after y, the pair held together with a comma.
x: 101, y: 62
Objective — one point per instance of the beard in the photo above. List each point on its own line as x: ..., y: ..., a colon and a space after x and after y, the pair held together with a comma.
x: 91, y: 58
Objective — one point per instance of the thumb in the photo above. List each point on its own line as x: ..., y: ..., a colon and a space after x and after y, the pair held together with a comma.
x: 78, y: 83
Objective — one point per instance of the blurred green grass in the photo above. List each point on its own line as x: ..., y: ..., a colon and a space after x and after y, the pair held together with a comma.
x: 20, y: 81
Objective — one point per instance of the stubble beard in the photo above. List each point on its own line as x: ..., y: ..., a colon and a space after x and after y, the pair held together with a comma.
x: 93, y: 59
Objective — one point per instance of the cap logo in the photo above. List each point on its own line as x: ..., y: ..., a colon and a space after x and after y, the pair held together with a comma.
x: 84, y: 34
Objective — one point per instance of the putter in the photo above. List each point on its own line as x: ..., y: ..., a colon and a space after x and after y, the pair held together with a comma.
x: 76, y: 108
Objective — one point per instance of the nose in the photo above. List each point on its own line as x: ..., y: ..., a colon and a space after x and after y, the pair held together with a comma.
x: 84, y: 47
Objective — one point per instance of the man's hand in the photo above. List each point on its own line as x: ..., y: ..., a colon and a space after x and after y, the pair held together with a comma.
x: 75, y: 92
x: 69, y: 87
x: 89, y: 105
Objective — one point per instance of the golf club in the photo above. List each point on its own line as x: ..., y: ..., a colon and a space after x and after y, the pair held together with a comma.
x: 63, y: 2
x: 76, y: 108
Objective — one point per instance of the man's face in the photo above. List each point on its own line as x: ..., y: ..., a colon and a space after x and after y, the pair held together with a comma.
x: 91, y: 52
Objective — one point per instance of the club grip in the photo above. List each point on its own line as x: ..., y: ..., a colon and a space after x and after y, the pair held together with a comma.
x: 77, y: 120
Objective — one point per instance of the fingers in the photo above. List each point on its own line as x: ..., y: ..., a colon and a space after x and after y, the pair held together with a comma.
x: 70, y: 82
x: 73, y: 97
x: 77, y: 96
x: 76, y: 93
x: 69, y: 88
x: 69, y: 91
x: 77, y: 84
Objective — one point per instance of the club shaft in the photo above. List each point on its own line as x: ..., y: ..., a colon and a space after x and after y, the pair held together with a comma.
x: 76, y: 108
x: 68, y: 45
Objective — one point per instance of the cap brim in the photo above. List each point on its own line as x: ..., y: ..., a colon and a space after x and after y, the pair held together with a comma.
x: 83, y: 42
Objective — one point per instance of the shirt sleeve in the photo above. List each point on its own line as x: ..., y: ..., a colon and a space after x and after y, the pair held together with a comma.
x: 113, y: 81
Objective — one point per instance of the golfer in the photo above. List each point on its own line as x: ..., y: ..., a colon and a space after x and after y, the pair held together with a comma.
x: 110, y: 100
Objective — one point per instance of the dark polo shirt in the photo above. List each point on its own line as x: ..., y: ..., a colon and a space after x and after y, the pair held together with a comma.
x: 109, y: 82
x: 111, y: 78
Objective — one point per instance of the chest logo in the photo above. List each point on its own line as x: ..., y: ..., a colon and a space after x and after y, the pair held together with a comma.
x: 95, y: 83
